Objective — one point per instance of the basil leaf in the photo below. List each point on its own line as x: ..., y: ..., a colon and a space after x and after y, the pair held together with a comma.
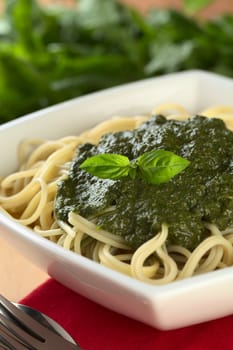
x: 159, y: 166
x: 133, y: 169
x: 193, y: 6
x: 156, y: 166
x: 107, y: 166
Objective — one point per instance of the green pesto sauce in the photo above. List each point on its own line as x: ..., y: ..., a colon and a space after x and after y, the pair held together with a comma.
x: 135, y: 209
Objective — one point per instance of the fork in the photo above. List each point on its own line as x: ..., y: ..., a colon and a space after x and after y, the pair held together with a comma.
x: 19, y: 331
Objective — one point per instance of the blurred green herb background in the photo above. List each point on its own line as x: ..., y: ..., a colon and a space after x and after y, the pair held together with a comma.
x: 51, y: 54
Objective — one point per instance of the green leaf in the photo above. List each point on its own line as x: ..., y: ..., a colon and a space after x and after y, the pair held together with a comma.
x: 193, y: 6
x: 107, y: 166
x: 156, y: 167
x: 169, y: 57
x: 94, y: 14
x: 67, y: 52
x: 26, y: 19
x: 159, y: 166
x: 22, y: 87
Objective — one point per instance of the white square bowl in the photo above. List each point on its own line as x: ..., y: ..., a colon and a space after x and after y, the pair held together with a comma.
x: 175, y: 305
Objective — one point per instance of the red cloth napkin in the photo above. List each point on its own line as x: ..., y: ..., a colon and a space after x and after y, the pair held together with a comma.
x: 97, y: 328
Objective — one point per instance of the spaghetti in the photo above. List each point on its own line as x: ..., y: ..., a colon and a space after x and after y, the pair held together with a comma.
x: 28, y: 196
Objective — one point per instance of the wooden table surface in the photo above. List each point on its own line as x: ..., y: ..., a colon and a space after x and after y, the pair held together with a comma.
x: 18, y: 276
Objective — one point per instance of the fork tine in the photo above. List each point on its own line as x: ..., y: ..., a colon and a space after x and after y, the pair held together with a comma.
x: 24, y: 319
x: 3, y: 347
x: 10, y: 342
x: 48, y: 338
x: 17, y: 332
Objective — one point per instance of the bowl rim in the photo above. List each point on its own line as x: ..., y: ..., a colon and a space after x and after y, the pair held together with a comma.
x: 111, y: 90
